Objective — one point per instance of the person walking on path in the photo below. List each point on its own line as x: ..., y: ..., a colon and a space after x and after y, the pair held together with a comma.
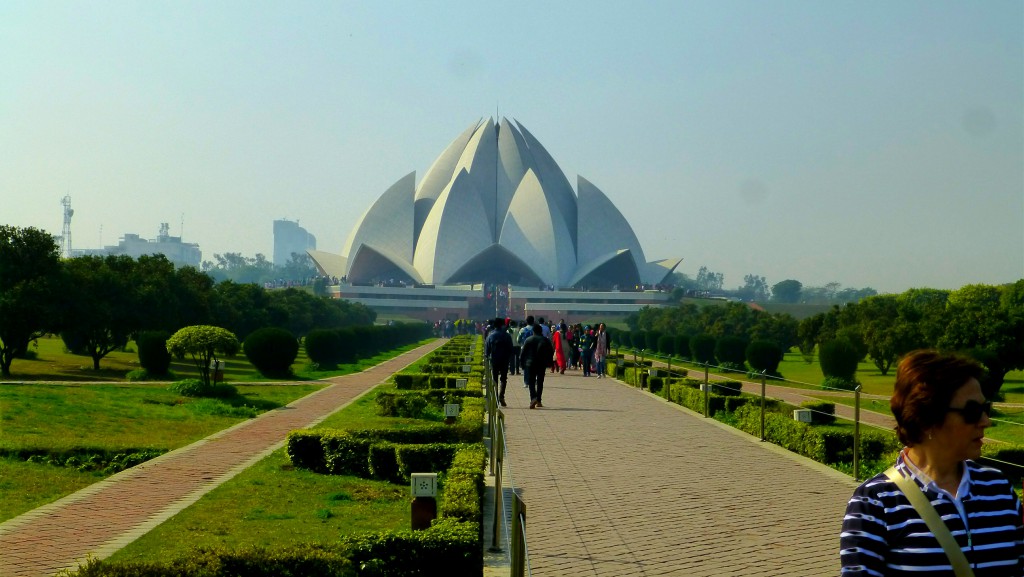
x: 514, y: 329
x: 498, y: 349
x: 600, y: 350
x: 524, y: 333
x: 535, y: 358
x: 586, y: 348
x: 561, y: 350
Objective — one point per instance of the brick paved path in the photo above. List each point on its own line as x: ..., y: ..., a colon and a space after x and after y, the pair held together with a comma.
x: 108, y: 515
x: 618, y: 482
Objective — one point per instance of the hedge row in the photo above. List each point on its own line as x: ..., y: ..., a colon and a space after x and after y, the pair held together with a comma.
x: 412, y: 405
x: 829, y: 445
x: 415, y: 381
x: 328, y: 347
x: 348, y: 452
x: 448, y: 543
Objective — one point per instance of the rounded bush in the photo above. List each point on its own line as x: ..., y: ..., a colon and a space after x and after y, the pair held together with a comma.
x: 191, y: 388
x: 730, y: 349
x: 682, y: 346
x: 702, y: 349
x: 153, y: 355
x: 323, y: 346
x: 651, y: 340
x: 638, y: 339
x: 666, y: 345
x: 271, y: 350
x: 764, y: 356
x: 839, y: 358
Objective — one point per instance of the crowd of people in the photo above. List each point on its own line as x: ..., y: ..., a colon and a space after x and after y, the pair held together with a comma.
x: 533, y: 347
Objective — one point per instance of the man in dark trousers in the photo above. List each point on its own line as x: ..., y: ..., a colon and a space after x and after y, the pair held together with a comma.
x: 535, y: 358
x: 498, y: 348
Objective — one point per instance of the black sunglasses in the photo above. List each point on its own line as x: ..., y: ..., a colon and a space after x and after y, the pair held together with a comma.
x: 972, y: 410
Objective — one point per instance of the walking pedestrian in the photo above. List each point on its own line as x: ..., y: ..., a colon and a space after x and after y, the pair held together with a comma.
x: 535, y: 359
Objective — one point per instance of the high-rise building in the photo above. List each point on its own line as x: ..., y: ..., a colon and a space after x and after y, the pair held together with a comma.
x: 290, y: 238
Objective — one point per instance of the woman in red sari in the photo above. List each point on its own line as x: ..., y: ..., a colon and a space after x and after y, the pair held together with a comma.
x: 560, y: 349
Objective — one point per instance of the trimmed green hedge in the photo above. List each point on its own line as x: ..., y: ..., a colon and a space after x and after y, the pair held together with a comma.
x: 448, y: 543
x: 348, y: 452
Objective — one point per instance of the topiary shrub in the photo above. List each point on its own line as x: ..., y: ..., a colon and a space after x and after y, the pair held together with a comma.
x: 651, y: 340
x: 702, y: 349
x: 323, y: 347
x: 764, y: 356
x: 667, y: 345
x: 731, y: 352
x: 638, y: 339
x: 153, y: 355
x: 271, y: 350
x: 838, y: 359
x: 682, y: 346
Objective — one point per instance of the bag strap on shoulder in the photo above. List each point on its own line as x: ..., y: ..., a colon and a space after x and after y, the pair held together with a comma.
x: 931, y: 518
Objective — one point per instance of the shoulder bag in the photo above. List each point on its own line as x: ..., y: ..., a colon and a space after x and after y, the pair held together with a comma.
x: 931, y: 518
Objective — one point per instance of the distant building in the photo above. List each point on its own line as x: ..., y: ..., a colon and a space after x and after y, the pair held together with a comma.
x: 290, y: 238
x: 179, y: 253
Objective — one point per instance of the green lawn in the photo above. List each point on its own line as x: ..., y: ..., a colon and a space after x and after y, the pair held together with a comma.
x: 63, y: 419
x: 272, y: 503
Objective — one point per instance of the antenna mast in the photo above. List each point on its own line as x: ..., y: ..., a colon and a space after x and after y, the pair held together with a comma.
x: 65, y: 235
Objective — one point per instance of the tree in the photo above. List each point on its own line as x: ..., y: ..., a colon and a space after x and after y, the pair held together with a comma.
x: 202, y: 343
x: 709, y: 281
x: 980, y: 318
x: 787, y: 291
x: 103, y: 313
x: 886, y: 334
x: 755, y: 288
x: 30, y: 272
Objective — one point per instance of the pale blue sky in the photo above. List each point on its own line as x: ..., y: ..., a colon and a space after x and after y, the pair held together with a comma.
x: 869, y: 143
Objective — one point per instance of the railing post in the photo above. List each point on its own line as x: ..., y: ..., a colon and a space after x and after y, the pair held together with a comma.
x: 763, y: 378
x: 518, y: 553
x: 499, y: 510
x: 856, y: 433
x: 707, y: 391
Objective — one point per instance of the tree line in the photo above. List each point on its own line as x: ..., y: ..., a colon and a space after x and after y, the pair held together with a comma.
x: 755, y: 288
x: 985, y: 322
x: 98, y: 303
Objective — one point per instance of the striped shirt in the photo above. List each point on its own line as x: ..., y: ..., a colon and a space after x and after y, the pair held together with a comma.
x: 884, y: 535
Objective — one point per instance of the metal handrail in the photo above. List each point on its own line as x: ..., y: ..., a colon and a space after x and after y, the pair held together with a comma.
x: 514, y: 536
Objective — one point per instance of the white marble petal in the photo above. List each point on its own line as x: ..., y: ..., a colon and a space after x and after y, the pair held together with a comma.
x: 535, y: 231
x: 455, y: 231
x: 388, y: 223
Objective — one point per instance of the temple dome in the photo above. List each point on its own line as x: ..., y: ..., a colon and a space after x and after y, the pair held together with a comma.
x: 495, y: 207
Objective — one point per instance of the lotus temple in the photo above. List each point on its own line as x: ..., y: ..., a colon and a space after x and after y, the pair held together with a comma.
x: 495, y: 219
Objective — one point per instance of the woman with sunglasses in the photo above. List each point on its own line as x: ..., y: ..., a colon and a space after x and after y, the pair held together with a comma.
x: 941, y: 417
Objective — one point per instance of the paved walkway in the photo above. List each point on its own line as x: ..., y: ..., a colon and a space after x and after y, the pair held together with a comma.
x: 619, y: 482
x: 108, y: 515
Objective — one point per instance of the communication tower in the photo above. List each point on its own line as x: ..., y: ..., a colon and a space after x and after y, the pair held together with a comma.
x: 65, y: 235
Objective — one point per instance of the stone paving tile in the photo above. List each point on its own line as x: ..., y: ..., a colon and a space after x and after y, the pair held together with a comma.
x: 619, y: 482
x: 106, y: 516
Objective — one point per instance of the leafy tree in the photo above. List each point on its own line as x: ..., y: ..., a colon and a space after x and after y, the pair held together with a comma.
x: 755, y: 288
x: 787, y: 291
x: 103, y: 313
x: 709, y: 281
x: 202, y: 343
x: 807, y: 335
x: 926, y: 309
x: 782, y: 329
x: 30, y: 272
x: 886, y: 334
x: 980, y: 318
x: 239, y: 308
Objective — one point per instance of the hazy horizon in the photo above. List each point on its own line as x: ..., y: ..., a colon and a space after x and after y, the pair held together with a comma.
x: 871, y: 144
